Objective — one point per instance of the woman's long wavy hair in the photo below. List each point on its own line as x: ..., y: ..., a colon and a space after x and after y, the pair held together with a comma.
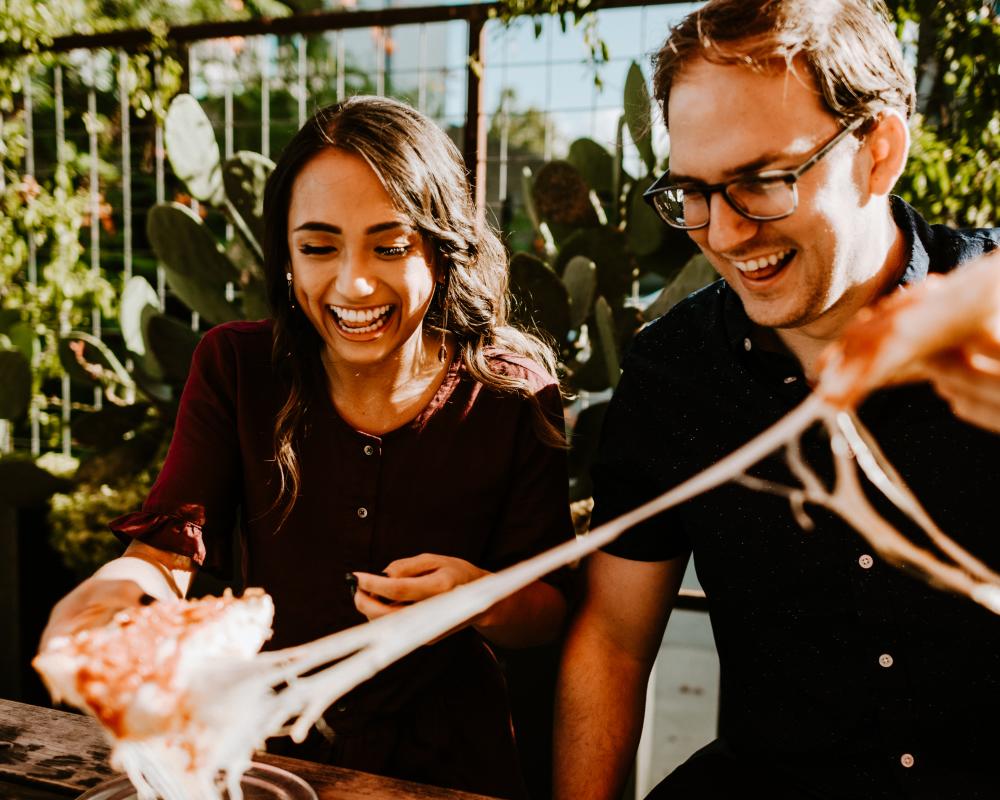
x: 422, y: 171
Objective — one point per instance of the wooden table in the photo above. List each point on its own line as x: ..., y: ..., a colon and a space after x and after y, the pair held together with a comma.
x: 52, y: 755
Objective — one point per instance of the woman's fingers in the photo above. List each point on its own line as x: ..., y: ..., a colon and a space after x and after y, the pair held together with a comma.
x: 404, y: 590
x: 416, y: 565
x: 371, y: 606
x: 410, y: 580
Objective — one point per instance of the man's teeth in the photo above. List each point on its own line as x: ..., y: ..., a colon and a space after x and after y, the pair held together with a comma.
x: 361, y: 320
x: 754, y: 264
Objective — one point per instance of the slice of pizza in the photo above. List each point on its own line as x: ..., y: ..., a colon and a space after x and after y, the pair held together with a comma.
x: 156, y: 679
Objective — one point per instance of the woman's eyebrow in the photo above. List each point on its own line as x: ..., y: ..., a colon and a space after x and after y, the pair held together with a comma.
x: 318, y: 227
x: 326, y: 227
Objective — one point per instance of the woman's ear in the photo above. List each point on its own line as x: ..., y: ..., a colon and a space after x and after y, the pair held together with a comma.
x: 888, y: 144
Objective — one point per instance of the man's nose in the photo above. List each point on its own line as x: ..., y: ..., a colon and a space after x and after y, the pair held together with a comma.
x: 728, y: 229
x: 354, y: 278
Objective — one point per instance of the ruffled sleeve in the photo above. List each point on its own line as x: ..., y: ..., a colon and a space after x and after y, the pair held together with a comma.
x: 192, y: 508
x: 180, y: 532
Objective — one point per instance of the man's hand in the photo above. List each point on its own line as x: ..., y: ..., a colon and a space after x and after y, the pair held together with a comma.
x: 409, y: 580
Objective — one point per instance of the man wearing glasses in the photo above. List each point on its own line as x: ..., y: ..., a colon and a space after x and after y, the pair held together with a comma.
x: 842, y: 677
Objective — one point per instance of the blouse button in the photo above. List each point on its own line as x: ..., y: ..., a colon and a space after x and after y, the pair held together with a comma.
x: 866, y: 561
x: 369, y: 449
x: 885, y: 660
x: 747, y: 344
x: 362, y: 512
x: 906, y: 760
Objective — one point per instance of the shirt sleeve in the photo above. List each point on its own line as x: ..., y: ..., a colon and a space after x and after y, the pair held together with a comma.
x: 536, y: 513
x: 634, y: 444
x: 191, y: 509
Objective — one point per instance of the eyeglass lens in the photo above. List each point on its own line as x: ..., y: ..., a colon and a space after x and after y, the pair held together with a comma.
x: 754, y: 198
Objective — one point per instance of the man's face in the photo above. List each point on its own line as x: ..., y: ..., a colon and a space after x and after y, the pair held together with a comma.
x: 729, y: 121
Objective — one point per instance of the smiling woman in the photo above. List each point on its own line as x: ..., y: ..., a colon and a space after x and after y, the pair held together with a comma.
x: 384, y: 438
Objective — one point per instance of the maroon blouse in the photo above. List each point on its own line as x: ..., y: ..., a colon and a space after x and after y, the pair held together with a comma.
x: 469, y: 477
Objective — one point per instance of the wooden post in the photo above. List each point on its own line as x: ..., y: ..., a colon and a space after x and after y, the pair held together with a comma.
x: 474, y: 137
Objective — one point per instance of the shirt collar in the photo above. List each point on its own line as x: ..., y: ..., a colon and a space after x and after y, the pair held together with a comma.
x: 739, y: 327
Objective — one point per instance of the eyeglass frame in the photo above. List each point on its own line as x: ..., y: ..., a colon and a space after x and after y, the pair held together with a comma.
x: 789, y: 176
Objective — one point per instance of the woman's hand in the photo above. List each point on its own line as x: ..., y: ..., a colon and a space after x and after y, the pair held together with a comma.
x: 142, y: 572
x: 531, y: 616
x: 409, y: 580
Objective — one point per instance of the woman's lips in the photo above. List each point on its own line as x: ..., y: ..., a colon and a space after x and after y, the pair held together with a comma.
x: 360, y: 324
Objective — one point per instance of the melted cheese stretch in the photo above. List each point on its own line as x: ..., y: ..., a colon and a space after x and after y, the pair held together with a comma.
x: 185, y: 696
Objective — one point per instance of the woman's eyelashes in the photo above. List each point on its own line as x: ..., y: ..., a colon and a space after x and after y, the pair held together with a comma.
x: 394, y: 251
x: 385, y: 251
x: 316, y: 250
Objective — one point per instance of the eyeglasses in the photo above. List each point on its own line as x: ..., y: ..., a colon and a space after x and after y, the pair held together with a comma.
x: 761, y: 197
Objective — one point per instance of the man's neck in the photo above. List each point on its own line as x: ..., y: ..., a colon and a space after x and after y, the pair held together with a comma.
x: 808, y: 341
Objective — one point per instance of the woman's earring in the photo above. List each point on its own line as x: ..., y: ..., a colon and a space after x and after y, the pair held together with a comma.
x: 291, y: 294
x: 443, y: 350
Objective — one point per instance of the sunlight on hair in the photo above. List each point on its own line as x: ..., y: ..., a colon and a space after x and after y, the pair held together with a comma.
x: 223, y: 699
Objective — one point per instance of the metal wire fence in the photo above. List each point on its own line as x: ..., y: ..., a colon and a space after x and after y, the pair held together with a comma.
x: 510, y: 96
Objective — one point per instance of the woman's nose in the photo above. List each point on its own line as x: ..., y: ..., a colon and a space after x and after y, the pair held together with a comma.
x: 354, y: 279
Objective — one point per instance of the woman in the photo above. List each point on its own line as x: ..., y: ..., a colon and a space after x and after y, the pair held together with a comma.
x: 386, y: 438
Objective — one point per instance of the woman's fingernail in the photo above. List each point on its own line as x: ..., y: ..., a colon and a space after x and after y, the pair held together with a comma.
x: 352, y: 582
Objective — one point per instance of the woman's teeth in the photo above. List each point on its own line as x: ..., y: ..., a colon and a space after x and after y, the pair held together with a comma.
x: 361, y: 320
x: 754, y: 265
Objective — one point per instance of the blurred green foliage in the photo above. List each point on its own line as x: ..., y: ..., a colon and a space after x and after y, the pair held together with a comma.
x: 953, y: 174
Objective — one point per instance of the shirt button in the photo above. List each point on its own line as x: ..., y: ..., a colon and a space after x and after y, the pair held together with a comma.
x: 362, y: 512
x: 906, y: 760
x: 885, y: 660
x: 369, y: 449
x: 791, y: 379
x: 746, y: 344
x: 866, y: 561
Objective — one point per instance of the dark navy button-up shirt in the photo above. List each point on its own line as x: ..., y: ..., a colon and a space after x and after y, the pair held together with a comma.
x: 840, y: 674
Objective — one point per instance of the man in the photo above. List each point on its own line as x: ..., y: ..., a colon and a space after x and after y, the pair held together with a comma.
x: 842, y: 677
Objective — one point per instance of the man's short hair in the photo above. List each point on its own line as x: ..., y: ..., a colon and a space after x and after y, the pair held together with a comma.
x: 849, y: 46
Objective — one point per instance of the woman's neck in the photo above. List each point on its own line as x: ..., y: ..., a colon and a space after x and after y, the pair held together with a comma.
x: 377, y: 398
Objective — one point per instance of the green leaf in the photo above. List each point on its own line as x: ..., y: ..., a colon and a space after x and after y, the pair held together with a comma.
x: 172, y: 343
x: 244, y: 176
x: 604, y: 336
x: 580, y: 279
x: 697, y: 273
x: 638, y: 115
x: 606, y: 248
x: 643, y: 226
x: 88, y: 361
x: 540, y: 298
x: 561, y: 196
x: 594, y: 163
x: 15, y: 378
x: 196, y: 267
x: 22, y: 337
x: 255, y: 305
x: 136, y: 297
x: 193, y: 150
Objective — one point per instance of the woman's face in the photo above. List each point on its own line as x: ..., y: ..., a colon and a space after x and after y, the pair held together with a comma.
x: 361, y: 271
